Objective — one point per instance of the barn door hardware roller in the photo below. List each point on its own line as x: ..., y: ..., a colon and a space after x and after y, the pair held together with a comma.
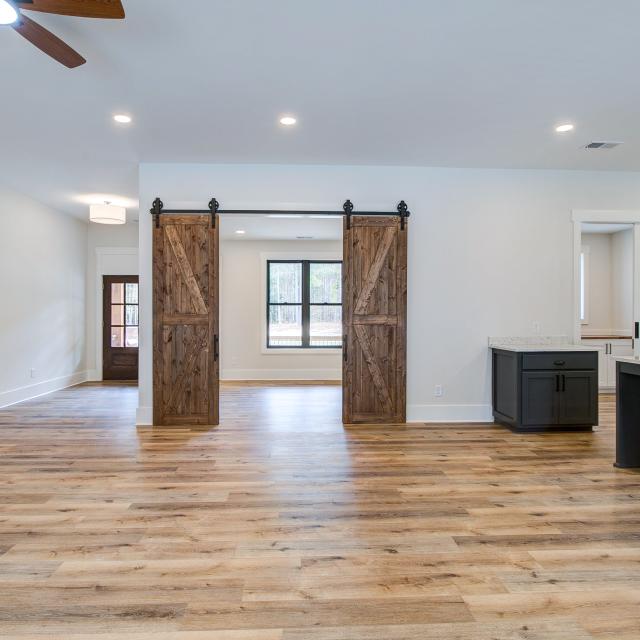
x: 402, y: 211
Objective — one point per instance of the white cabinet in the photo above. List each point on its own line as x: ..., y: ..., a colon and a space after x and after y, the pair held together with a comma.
x: 608, y: 350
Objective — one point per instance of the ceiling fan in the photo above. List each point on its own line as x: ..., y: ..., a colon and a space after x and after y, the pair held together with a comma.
x: 11, y: 14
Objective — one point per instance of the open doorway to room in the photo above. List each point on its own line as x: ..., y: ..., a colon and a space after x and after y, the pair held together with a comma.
x: 281, y: 316
x: 606, y: 286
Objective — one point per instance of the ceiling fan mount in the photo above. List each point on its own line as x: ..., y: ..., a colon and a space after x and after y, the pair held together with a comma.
x: 44, y: 39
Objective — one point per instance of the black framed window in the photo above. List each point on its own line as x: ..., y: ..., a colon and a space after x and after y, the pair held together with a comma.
x: 304, y: 304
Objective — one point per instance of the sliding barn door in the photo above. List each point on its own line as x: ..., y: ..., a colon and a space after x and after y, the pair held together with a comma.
x: 374, y: 308
x: 185, y: 311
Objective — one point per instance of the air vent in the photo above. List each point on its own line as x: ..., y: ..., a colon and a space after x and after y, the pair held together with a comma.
x: 603, y: 145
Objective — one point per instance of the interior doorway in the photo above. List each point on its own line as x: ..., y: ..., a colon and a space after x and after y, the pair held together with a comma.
x: 280, y: 302
x: 120, y: 337
x: 606, y: 286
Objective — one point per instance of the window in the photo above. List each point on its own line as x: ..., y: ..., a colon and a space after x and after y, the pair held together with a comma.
x: 124, y: 314
x: 584, y: 285
x: 304, y: 304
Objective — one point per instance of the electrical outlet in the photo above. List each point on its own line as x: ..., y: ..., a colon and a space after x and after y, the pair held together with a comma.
x: 536, y: 328
x: 438, y: 391
x: 32, y: 373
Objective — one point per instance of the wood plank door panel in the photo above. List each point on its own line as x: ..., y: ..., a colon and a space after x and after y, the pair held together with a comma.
x: 374, y: 307
x: 185, y: 307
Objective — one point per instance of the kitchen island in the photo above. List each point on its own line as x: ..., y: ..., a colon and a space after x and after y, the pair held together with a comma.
x: 544, y: 386
x: 628, y: 412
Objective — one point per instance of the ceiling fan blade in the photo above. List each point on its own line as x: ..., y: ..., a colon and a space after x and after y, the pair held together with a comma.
x: 48, y: 43
x: 80, y: 8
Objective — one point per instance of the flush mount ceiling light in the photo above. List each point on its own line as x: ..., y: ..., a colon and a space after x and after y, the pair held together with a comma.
x: 288, y: 121
x: 121, y: 118
x: 565, y: 128
x: 8, y: 13
x: 107, y: 213
x: 240, y: 232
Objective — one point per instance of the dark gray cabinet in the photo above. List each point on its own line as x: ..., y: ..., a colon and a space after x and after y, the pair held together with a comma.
x: 545, y: 390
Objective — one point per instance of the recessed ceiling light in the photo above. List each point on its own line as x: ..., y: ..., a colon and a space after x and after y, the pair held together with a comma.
x: 8, y: 13
x: 288, y: 121
x: 240, y: 232
x: 121, y: 118
x: 564, y: 128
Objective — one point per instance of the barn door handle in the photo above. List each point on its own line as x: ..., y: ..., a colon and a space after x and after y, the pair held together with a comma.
x: 344, y: 348
x: 216, y: 343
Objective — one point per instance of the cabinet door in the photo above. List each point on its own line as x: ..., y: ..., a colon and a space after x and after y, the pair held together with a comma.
x: 539, y: 398
x: 578, y: 398
x: 604, y: 379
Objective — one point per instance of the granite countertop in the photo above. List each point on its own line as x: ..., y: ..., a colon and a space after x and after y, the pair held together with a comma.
x: 630, y: 359
x: 537, y: 344
x: 542, y: 347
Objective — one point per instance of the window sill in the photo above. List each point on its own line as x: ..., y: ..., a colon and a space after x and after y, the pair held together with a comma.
x: 294, y: 351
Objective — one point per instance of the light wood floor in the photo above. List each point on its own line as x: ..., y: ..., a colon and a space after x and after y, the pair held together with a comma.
x: 283, y: 525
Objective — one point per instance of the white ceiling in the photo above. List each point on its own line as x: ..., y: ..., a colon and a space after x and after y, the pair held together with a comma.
x: 262, y: 227
x: 601, y: 227
x: 401, y: 82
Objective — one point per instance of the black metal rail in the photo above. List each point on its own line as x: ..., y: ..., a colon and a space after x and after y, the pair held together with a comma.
x: 214, y: 208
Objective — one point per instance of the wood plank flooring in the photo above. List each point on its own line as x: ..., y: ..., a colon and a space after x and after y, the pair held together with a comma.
x: 282, y: 525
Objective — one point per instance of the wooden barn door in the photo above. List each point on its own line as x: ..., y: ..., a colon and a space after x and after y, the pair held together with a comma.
x: 374, y: 308
x: 185, y: 311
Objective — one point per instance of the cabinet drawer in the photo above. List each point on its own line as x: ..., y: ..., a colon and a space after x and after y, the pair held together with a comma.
x: 560, y: 360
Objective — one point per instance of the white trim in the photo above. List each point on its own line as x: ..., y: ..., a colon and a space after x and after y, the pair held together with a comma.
x: 611, y: 216
x: 621, y: 216
x: 288, y: 255
x: 29, y: 392
x: 144, y: 416
x: 636, y: 285
x: 280, y: 374
x: 462, y: 413
x: 96, y: 374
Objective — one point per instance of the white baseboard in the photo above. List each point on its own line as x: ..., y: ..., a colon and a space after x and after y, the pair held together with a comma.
x: 93, y: 375
x: 31, y: 391
x: 449, y: 413
x: 144, y: 416
x: 281, y: 374
x: 415, y: 413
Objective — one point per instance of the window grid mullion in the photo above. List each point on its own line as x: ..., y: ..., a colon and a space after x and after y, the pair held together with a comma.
x: 306, y: 286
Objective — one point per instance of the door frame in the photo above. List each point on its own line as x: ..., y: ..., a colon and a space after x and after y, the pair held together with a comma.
x: 607, y: 216
x: 109, y: 261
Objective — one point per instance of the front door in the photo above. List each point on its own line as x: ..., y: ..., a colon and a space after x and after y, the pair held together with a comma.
x: 120, y: 333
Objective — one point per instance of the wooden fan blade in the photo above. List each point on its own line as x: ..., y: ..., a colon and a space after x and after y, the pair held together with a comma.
x: 80, y: 8
x: 48, y: 43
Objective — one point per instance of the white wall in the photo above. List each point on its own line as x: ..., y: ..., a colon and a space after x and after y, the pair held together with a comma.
x: 242, y: 313
x: 622, y: 282
x: 599, y: 283
x: 111, y: 250
x: 43, y: 261
x: 490, y: 253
